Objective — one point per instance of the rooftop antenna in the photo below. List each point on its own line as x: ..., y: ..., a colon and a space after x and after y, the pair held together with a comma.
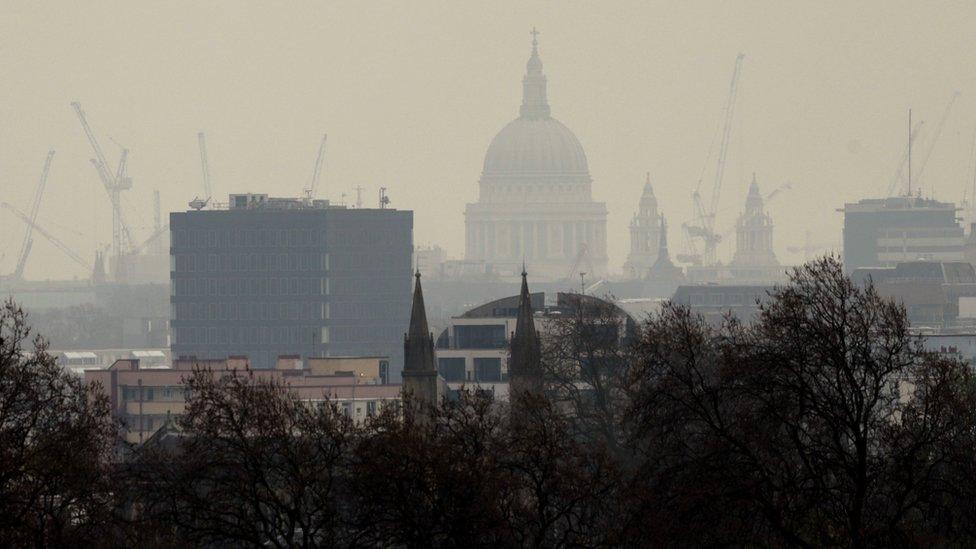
x: 359, y: 196
x: 384, y: 200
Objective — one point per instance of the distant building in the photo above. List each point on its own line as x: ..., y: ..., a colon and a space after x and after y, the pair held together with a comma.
x: 77, y: 361
x: 715, y: 301
x: 474, y: 350
x: 145, y: 399
x: 885, y: 231
x: 276, y: 276
x: 534, y: 201
x: 934, y: 293
x: 645, y: 234
x: 658, y: 281
x: 430, y: 260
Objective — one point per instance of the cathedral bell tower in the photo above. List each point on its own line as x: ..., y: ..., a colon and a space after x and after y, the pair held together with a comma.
x: 644, y: 234
x: 754, y: 233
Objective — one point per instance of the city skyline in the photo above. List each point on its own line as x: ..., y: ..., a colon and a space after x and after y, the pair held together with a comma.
x: 410, y: 99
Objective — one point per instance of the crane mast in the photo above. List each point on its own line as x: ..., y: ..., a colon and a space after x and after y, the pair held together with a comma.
x: 157, y: 247
x: 28, y: 242
x: 51, y: 238
x: 114, y: 185
x: 205, y: 167
x: 317, y: 170
x: 704, y: 225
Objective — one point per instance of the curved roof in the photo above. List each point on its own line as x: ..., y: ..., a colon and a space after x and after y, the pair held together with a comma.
x: 535, y: 146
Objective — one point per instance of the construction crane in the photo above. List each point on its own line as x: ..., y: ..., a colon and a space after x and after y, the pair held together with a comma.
x: 114, y: 185
x: 153, y: 240
x: 51, y: 238
x: 157, y: 247
x: 582, y: 259
x: 199, y: 203
x: 703, y: 225
x: 25, y: 247
x: 917, y: 176
x: 317, y: 170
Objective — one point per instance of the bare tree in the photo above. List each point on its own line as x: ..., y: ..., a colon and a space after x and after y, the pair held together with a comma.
x: 432, y: 483
x: 586, y: 357
x: 565, y: 492
x: 56, y: 441
x: 822, y: 423
x: 254, y: 466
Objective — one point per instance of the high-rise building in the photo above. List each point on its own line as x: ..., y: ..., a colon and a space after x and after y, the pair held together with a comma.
x: 534, y: 202
x: 272, y: 276
x: 645, y: 234
x: 882, y: 232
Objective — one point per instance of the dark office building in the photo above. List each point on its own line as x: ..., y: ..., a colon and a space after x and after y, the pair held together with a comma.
x: 280, y: 276
x: 886, y: 231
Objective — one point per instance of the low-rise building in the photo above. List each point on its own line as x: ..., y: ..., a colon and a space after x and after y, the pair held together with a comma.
x: 143, y: 399
x: 473, y: 351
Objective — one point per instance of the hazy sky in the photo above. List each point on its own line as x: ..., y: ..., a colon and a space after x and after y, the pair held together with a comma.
x: 411, y: 93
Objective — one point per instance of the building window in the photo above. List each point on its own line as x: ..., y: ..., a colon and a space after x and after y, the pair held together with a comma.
x: 488, y: 369
x: 451, y: 368
x: 484, y: 336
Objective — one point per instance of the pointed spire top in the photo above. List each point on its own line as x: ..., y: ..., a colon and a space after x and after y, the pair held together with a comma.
x: 534, y: 101
x: 754, y: 186
x: 524, y: 366
x: 648, y: 190
x: 418, y: 314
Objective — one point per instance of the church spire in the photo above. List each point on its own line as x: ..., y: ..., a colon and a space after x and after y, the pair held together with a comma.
x: 534, y: 101
x: 419, y: 368
x: 418, y: 344
x: 662, y: 248
x: 525, y: 361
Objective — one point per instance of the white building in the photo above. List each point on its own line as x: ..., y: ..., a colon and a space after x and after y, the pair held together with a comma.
x: 534, y: 201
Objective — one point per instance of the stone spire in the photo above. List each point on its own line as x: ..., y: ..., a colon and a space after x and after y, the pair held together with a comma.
x: 534, y: 101
x: 525, y: 360
x: 664, y: 277
x: 419, y: 367
x: 663, y: 257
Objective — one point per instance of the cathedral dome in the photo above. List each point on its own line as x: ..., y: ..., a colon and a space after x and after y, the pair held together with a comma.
x: 535, y: 143
x: 535, y: 146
